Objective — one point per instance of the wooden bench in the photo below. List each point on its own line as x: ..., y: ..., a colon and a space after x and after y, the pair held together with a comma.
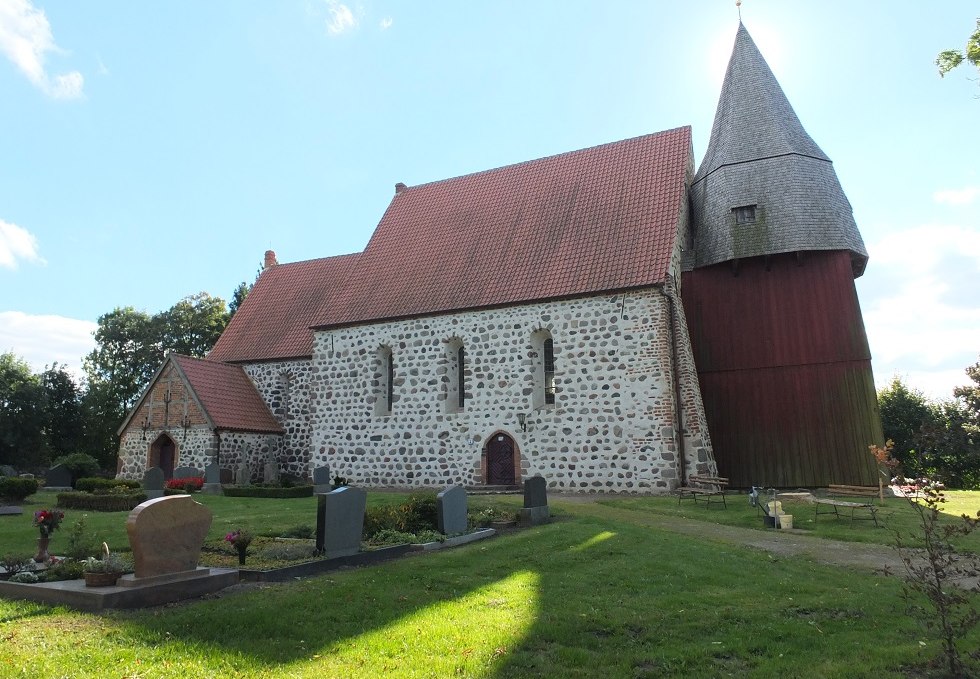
x: 835, y: 504
x: 709, y: 488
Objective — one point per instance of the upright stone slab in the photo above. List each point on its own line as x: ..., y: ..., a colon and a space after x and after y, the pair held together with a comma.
x: 271, y: 472
x: 243, y: 475
x: 451, y: 511
x: 212, y: 479
x: 226, y: 475
x: 153, y: 479
x: 166, y: 535
x: 186, y: 472
x: 59, y: 476
x: 7, y: 470
x: 535, y: 509
x: 340, y: 521
x: 321, y: 480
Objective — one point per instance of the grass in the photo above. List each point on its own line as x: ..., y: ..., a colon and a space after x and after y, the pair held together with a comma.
x: 596, y: 593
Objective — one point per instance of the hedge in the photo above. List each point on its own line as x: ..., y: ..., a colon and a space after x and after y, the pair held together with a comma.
x: 94, y: 484
x: 256, y: 491
x: 100, y: 503
x: 17, y: 489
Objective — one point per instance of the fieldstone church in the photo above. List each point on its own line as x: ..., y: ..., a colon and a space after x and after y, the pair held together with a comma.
x: 606, y: 318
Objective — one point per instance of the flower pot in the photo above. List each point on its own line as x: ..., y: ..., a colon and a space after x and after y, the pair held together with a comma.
x: 42, y: 549
x: 101, y: 579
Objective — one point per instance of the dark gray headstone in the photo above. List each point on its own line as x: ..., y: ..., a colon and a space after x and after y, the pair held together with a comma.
x: 186, y: 472
x: 340, y: 521
x: 321, y: 476
x: 270, y: 472
x: 227, y: 475
x: 7, y: 470
x: 451, y: 510
x: 10, y: 510
x: 59, y: 476
x: 212, y: 473
x: 153, y: 482
x: 536, y: 492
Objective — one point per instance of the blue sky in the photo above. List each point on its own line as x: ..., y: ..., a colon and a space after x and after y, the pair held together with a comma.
x: 151, y: 151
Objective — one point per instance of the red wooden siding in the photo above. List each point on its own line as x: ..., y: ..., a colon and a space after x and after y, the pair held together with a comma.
x: 785, y: 370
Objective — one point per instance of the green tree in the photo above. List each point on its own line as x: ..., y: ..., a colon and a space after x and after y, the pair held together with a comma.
x: 237, y: 297
x: 950, y: 59
x: 192, y: 326
x: 62, y: 413
x: 904, y: 413
x: 971, y: 397
x: 951, y: 450
x: 22, y: 442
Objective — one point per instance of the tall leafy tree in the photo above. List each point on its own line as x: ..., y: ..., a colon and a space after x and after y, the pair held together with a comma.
x: 904, y: 412
x: 192, y: 325
x: 62, y: 413
x: 22, y: 442
x: 237, y: 297
x: 971, y: 397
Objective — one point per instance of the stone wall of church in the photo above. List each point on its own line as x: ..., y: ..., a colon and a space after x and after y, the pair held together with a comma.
x: 612, y: 426
x: 253, y: 450
x: 194, y: 447
x: 285, y: 387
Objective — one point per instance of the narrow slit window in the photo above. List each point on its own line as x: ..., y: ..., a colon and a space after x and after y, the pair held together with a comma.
x: 390, y: 392
x: 549, y: 371
x: 460, y: 378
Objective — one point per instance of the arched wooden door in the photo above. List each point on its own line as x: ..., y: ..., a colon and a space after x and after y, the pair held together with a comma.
x: 500, y: 461
x: 163, y: 454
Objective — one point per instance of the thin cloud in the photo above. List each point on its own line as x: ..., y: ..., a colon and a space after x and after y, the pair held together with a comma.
x: 43, y: 340
x: 17, y: 243
x: 964, y: 196
x: 25, y: 39
x: 341, y: 18
x: 386, y: 23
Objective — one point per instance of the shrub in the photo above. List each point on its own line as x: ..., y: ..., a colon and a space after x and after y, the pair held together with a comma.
x: 100, y: 503
x: 81, y: 544
x: 15, y: 489
x: 303, y: 531
x: 96, y: 485
x: 25, y: 578
x: 388, y: 536
x: 79, y: 464
x: 286, y: 552
x: 415, y: 515
x: 63, y: 569
x: 190, y: 484
x: 256, y: 491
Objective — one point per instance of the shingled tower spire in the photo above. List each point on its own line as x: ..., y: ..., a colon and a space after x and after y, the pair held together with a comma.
x: 768, y: 289
x: 764, y: 174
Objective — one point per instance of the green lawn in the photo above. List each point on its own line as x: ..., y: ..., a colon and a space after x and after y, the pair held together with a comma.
x: 587, y: 595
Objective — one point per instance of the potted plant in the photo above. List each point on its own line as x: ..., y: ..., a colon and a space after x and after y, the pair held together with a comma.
x: 239, y: 540
x: 47, y: 522
x: 105, y: 571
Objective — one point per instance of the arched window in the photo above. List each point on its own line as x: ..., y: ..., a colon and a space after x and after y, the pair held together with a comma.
x: 543, y: 360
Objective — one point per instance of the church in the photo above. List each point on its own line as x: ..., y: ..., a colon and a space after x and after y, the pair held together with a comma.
x: 608, y: 318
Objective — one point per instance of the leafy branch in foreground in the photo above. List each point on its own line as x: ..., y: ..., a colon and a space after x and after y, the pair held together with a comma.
x: 936, y: 573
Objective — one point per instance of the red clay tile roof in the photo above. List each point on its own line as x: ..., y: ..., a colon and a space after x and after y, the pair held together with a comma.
x: 227, y: 395
x: 603, y: 218
x: 595, y: 220
x: 274, y: 320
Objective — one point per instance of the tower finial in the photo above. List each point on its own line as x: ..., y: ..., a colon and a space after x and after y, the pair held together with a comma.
x: 738, y: 6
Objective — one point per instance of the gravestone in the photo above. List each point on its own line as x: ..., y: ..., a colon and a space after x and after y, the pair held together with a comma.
x: 212, y: 479
x: 59, y: 476
x: 340, y: 521
x: 166, y: 535
x: 271, y: 472
x: 535, y: 510
x: 322, y: 480
x: 11, y: 510
x: 7, y: 470
x: 186, y: 472
x: 153, y: 479
x: 243, y: 475
x: 451, y: 511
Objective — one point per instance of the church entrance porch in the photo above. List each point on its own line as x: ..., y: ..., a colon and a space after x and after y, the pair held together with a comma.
x: 499, y: 461
x: 163, y: 454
